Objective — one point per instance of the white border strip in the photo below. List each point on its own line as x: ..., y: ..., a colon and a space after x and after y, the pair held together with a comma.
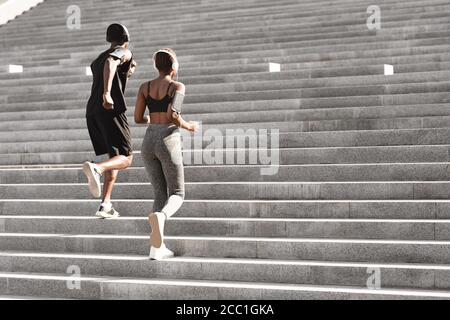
x: 10, y: 9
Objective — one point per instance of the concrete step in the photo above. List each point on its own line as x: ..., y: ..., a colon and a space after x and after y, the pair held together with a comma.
x: 50, y: 85
x: 242, y: 24
x: 213, y: 208
x: 266, y: 98
x: 277, y: 13
x: 359, y: 161
x: 347, y: 91
x: 102, y: 287
x: 400, y: 229
x: 62, y: 56
x: 345, y: 250
x: 239, y: 71
x: 281, y: 108
x: 286, y: 37
x: 35, y: 86
x: 287, y: 156
x: 276, y: 271
x: 287, y: 121
x: 287, y: 42
x: 348, y: 190
x: 251, y: 173
x: 335, y: 139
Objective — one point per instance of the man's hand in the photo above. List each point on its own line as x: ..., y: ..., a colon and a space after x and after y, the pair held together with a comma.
x: 132, y: 68
x: 108, y: 102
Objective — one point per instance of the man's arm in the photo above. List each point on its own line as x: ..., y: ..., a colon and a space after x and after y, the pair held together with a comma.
x: 139, y: 109
x: 109, y: 71
x: 117, y: 57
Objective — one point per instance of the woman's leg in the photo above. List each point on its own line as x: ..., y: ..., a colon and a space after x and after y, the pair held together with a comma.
x: 158, y: 181
x: 172, y: 166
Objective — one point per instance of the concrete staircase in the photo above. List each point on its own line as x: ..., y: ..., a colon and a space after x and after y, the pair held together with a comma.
x: 364, y: 158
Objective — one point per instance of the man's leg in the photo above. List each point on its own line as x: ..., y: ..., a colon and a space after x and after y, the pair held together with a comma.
x: 115, y: 163
x: 108, y: 185
x: 106, y: 209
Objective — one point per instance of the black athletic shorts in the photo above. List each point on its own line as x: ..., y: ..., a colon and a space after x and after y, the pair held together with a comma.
x: 110, y: 133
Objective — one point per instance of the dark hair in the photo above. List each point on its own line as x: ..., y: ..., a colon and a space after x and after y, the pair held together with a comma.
x: 163, y: 61
x: 117, y: 32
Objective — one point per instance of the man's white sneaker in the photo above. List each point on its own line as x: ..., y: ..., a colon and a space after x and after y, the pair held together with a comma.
x: 106, y: 211
x: 160, y: 253
x: 93, y: 176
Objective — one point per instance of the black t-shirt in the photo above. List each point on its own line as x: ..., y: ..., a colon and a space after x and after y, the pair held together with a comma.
x: 95, y: 103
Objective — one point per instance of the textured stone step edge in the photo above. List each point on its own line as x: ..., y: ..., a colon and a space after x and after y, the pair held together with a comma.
x: 10, y: 86
x: 321, y: 155
x: 55, y: 50
x: 362, y: 172
x: 280, y: 15
x: 38, y: 86
x: 319, y: 139
x: 393, y: 229
x: 290, y: 92
x: 75, y: 130
x: 367, y: 190
x: 188, y: 52
x: 129, y: 288
x: 312, y: 209
x: 356, y: 118
x: 273, y: 55
x: 285, y: 36
x: 348, y: 250
x: 400, y: 14
x: 230, y: 269
x: 288, y: 109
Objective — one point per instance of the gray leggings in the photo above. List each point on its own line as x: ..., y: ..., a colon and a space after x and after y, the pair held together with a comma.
x: 163, y: 161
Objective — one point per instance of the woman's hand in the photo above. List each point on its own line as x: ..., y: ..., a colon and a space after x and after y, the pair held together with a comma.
x: 192, y: 126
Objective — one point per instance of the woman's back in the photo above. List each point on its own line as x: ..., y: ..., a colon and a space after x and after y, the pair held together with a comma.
x: 158, y: 98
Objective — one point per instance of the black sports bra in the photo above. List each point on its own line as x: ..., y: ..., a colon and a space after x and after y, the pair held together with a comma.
x: 154, y: 105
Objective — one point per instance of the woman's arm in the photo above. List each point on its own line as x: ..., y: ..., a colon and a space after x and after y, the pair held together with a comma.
x: 139, y: 109
x: 176, y: 118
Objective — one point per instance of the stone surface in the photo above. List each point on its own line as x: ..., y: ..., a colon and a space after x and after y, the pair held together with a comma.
x: 364, y: 158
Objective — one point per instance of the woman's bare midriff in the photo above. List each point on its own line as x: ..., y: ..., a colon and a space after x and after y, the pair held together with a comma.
x: 159, y: 118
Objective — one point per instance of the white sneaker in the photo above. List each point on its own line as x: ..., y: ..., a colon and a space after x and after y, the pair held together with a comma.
x: 160, y: 253
x: 93, y: 176
x: 157, y: 221
x: 106, y: 211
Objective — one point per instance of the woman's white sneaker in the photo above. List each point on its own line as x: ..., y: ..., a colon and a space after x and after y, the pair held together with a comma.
x: 160, y: 253
x: 93, y: 176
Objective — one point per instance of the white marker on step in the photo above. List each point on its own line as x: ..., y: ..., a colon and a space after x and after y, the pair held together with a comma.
x: 388, y: 70
x: 274, y: 67
x: 15, y: 68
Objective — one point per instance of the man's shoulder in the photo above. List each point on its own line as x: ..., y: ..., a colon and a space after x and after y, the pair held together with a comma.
x: 101, y: 57
x: 121, y: 53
